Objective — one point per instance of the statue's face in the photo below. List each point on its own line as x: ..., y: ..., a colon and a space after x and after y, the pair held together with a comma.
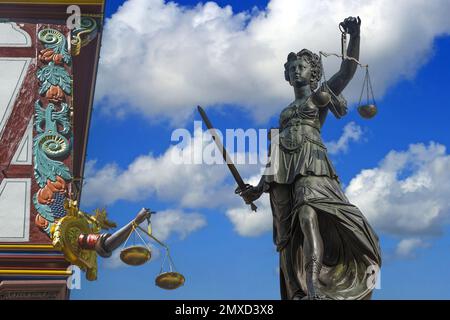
x: 299, y: 72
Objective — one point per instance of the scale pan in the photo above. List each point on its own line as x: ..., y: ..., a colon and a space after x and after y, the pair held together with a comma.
x: 169, y: 280
x: 135, y: 255
x: 367, y: 111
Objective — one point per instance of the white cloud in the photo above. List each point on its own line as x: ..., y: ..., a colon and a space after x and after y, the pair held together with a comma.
x: 407, y: 194
x: 251, y: 224
x: 161, y: 59
x: 248, y: 223
x: 114, y: 261
x: 352, y: 132
x: 169, y: 222
x: 406, y: 248
x: 190, y: 185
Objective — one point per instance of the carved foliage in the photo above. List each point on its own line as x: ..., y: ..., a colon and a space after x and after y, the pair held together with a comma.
x: 54, y: 75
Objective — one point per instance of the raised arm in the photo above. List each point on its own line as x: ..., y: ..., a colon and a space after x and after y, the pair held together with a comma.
x: 339, y: 81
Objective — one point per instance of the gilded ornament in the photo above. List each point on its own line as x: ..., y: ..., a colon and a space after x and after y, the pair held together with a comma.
x: 83, y: 35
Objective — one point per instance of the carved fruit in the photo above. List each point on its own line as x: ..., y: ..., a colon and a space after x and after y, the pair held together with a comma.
x: 41, y: 222
x: 46, y: 55
x: 45, y: 196
x: 55, y: 94
x: 58, y: 58
x: 57, y: 186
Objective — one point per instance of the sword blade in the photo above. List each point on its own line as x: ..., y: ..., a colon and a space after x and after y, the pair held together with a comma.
x: 226, y: 157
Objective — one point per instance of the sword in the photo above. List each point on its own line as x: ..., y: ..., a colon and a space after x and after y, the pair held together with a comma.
x: 242, y: 186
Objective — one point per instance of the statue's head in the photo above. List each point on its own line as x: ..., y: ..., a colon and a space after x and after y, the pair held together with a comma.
x: 302, y: 68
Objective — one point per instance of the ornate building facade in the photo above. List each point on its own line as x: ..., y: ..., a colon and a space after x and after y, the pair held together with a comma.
x: 47, y: 78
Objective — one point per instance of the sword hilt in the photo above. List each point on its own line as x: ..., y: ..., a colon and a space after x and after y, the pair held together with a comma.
x: 240, y: 189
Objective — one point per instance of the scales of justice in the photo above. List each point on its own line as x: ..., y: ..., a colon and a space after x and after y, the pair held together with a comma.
x: 78, y: 236
x: 366, y: 110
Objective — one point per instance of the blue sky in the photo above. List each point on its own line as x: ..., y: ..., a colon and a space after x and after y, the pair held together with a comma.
x: 219, y: 260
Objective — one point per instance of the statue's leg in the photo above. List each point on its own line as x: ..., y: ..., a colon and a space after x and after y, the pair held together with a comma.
x: 312, y: 249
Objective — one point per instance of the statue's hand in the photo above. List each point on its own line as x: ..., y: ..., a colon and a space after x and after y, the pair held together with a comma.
x: 351, y: 25
x: 250, y: 193
x: 142, y: 215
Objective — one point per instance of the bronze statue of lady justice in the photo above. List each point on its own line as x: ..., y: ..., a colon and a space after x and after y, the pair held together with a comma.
x: 327, y: 248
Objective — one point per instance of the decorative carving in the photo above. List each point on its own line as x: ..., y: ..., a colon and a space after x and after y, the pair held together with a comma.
x: 48, y: 55
x: 49, y: 205
x: 54, y: 42
x: 58, y: 215
x: 55, y: 94
x: 82, y: 36
x: 58, y: 186
x: 54, y: 75
x: 52, y: 123
x: 24, y: 295
x: 33, y: 289
x: 45, y: 196
x: 41, y: 222
x: 51, y: 144
x: 69, y: 229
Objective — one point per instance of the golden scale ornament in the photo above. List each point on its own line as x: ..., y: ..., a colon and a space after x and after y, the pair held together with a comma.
x: 68, y: 229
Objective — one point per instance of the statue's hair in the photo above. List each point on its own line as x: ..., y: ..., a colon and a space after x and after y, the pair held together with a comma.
x: 313, y: 60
